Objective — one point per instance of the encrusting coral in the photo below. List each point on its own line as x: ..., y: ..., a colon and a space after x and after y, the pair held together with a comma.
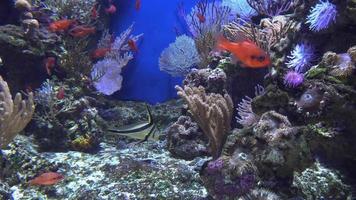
x: 212, y: 112
x: 14, y: 114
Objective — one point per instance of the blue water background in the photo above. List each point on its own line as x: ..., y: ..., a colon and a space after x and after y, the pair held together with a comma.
x: 158, y: 20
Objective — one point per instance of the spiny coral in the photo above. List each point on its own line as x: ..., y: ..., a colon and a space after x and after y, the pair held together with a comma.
x: 14, y: 114
x: 321, y: 16
x: 213, y: 113
x: 180, y: 57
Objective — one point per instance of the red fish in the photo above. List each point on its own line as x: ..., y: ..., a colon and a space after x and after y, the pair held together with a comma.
x: 201, y: 17
x: 138, y: 5
x: 94, y: 12
x: 132, y: 45
x: 82, y: 31
x: 61, y: 25
x: 60, y: 93
x: 99, y: 53
x: 245, y: 51
x: 111, y: 10
x: 49, y: 64
x: 48, y: 178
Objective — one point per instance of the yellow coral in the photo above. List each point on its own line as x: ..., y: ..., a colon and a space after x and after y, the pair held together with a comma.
x: 83, y: 143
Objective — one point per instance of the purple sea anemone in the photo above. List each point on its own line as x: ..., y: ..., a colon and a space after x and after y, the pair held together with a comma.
x: 293, y: 79
x: 215, y: 166
x: 301, y: 57
x: 321, y: 16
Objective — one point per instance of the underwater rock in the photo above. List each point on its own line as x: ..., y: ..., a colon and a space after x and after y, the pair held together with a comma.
x: 23, y: 56
x: 229, y: 176
x: 22, y: 161
x: 213, y: 80
x: 272, y: 126
x: 136, y: 173
x: 289, y: 151
x: 185, y: 140
x: 272, y: 99
x: 319, y: 182
x: 5, y: 193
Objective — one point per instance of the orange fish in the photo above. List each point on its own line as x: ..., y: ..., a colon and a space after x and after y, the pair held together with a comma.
x: 61, y: 25
x: 111, y: 10
x: 82, y: 31
x: 48, y: 178
x: 138, y: 4
x: 99, y: 53
x: 201, y: 17
x: 245, y: 51
x: 60, y: 93
x: 132, y: 45
x: 49, y: 64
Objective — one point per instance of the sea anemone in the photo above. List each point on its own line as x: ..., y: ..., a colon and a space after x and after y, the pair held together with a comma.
x: 246, y: 117
x: 344, y: 66
x: 321, y: 16
x: 215, y: 166
x: 301, y: 57
x: 260, y: 194
x: 310, y: 101
x: 293, y: 79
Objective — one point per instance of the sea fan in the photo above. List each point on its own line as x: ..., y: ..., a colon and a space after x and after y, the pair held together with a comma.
x: 272, y: 8
x: 180, y: 57
x: 301, y: 57
x: 241, y: 8
x: 321, y: 16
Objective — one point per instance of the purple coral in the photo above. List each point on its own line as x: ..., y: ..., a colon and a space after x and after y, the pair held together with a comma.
x: 301, y: 57
x: 293, y: 79
x: 321, y: 16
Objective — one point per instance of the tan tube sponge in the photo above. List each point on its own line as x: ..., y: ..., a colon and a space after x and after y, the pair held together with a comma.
x: 213, y: 113
x: 14, y: 114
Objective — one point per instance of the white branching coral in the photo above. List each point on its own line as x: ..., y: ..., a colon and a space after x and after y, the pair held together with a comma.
x: 212, y: 112
x: 180, y: 57
x: 14, y: 114
x: 106, y: 74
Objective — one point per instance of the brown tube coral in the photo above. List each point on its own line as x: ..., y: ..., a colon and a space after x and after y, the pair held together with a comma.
x: 212, y: 112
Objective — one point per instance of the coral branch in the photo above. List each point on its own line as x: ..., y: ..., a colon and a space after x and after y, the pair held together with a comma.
x: 14, y: 114
x: 213, y: 113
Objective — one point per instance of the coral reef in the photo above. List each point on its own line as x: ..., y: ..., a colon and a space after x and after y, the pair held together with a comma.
x: 318, y: 182
x: 184, y: 136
